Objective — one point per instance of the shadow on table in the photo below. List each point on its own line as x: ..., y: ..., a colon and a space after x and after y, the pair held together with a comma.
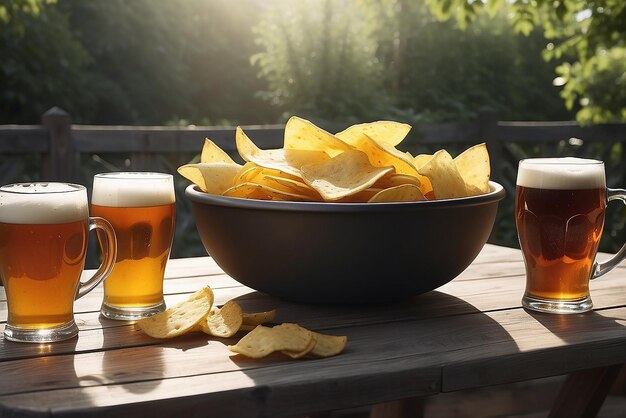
x: 130, y: 365
x: 38, y: 367
x: 430, y: 305
x: 571, y: 327
x: 394, y: 351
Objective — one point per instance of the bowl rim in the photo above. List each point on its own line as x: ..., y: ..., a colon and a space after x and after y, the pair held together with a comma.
x: 496, y: 193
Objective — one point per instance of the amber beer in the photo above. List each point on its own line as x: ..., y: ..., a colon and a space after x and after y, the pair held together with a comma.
x: 141, y: 208
x: 559, y: 211
x: 43, y: 243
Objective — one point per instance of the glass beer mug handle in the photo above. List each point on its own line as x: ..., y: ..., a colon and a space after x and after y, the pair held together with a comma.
x: 108, y: 245
x: 601, y: 268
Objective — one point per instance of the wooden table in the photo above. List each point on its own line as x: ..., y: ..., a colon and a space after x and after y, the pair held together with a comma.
x: 469, y: 333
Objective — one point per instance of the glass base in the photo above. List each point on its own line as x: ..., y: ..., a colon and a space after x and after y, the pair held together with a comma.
x: 557, y: 306
x: 130, y: 314
x: 41, y: 335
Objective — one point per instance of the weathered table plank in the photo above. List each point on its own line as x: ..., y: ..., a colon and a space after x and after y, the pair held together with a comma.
x: 469, y: 333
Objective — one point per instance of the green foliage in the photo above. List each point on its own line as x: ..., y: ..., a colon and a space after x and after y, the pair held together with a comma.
x: 130, y: 62
x: 597, y: 86
x: 12, y: 11
x: 42, y: 62
x: 366, y: 59
x: 163, y: 60
x: 319, y: 58
x: 339, y: 61
x: 589, y: 34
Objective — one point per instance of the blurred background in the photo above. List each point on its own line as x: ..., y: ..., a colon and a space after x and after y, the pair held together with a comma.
x: 220, y: 62
x: 430, y: 63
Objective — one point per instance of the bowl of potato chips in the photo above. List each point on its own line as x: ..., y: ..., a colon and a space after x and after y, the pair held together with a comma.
x: 343, y: 218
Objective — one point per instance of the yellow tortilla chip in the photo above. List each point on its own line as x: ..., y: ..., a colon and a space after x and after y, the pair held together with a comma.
x: 382, y: 155
x: 328, y: 345
x: 180, y: 318
x: 420, y: 160
x: 395, y: 179
x: 246, y: 327
x: 344, y: 175
x: 300, y: 134
x: 258, y: 318
x: 211, y: 153
x: 223, y: 322
x: 263, y: 192
x: 361, y: 197
x: 383, y: 132
x: 248, y: 171
x: 291, y: 185
x: 304, y: 352
x: 474, y: 167
x: 262, y: 341
x: 445, y: 177
x: 214, y: 178
x: 401, y: 193
x: 286, y: 160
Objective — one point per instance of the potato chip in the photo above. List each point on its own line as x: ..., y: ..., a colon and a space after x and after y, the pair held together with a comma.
x: 401, y: 193
x: 263, y: 192
x: 247, y: 172
x: 420, y: 160
x: 291, y: 185
x: 179, y: 318
x: 343, y: 175
x: 395, y: 179
x: 302, y: 353
x: 383, y: 132
x: 445, y: 177
x: 246, y: 327
x: 212, y: 178
x: 211, y: 153
x: 223, y: 322
x: 286, y: 160
x: 277, y: 174
x: 252, y: 173
x: 473, y: 165
x: 361, y: 197
x: 382, y: 155
x: 262, y: 341
x: 258, y: 318
x: 328, y: 345
x: 300, y: 134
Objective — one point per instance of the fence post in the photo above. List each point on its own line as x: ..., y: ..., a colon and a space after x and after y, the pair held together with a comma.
x: 61, y: 162
x: 488, y: 131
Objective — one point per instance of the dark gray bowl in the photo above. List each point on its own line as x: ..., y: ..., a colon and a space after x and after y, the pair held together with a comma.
x: 344, y: 253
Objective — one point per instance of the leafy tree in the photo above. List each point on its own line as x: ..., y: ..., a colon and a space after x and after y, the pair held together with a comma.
x: 444, y: 73
x: 138, y: 62
x: 588, y: 33
x: 366, y: 59
x: 319, y: 58
x: 42, y: 62
x: 163, y: 60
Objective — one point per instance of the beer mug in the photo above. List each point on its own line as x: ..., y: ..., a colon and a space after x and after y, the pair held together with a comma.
x: 43, y: 243
x: 141, y: 208
x: 559, y: 213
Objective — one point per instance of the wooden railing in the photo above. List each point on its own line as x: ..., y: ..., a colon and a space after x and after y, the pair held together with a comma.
x: 59, y: 150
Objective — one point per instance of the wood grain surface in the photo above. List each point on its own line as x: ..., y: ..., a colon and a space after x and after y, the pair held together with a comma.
x: 469, y: 333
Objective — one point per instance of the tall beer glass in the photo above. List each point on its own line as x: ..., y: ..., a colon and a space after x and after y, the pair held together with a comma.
x: 43, y: 242
x: 559, y: 212
x: 141, y: 208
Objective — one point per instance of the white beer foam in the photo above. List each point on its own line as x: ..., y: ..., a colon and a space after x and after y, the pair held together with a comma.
x: 43, y: 203
x: 133, y: 190
x: 561, y: 173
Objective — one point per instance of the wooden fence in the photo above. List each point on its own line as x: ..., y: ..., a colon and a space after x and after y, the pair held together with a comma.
x: 62, y: 150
